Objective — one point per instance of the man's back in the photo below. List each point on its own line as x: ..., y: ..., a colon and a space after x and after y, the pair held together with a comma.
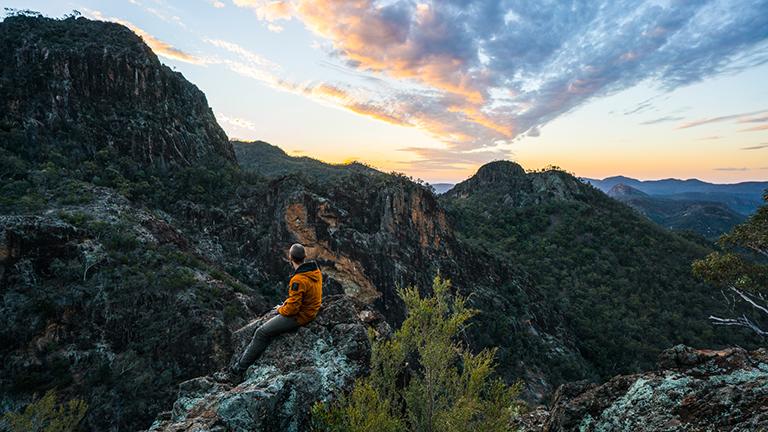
x: 305, y: 291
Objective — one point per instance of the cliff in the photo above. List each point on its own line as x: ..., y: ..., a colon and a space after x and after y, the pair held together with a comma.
x: 77, y: 86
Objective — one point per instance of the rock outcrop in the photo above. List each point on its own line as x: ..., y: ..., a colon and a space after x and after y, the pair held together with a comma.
x: 78, y: 86
x: 312, y: 364
x: 693, y: 390
x: 514, y: 187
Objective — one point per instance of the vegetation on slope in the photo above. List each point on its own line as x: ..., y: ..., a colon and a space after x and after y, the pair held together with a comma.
x: 422, y: 379
x: 623, y: 283
x: 740, y: 270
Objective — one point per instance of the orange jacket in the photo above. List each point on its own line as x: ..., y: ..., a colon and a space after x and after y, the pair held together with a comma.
x: 305, y: 293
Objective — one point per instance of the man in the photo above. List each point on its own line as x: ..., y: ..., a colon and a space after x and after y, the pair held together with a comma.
x: 305, y: 294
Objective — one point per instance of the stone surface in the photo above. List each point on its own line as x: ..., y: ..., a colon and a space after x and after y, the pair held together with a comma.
x: 298, y: 369
x: 693, y: 390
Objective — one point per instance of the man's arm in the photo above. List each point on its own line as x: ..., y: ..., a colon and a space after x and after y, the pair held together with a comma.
x: 292, y: 304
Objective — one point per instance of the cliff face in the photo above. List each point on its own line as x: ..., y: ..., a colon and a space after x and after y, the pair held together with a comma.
x: 372, y: 233
x: 508, y: 183
x: 77, y: 86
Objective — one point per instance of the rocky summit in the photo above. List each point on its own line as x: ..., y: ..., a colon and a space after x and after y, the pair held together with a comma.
x: 77, y: 87
x: 313, y: 364
x: 693, y: 390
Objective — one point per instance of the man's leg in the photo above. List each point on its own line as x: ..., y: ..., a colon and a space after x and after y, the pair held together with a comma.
x: 261, y: 337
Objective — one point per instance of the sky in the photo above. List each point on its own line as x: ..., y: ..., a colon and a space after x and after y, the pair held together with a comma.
x: 434, y: 89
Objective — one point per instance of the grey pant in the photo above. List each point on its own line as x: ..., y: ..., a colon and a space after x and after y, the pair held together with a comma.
x: 261, y: 337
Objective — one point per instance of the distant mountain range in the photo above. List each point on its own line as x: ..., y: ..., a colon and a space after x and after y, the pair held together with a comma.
x: 743, y: 198
x: 709, y: 209
x: 441, y: 188
x: 708, y: 218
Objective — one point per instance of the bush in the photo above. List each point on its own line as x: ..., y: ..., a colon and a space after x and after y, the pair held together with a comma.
x: 422, y: 379
x: 46, y: 415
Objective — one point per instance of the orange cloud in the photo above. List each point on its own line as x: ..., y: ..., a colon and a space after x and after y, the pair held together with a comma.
x: 161, y: 48
x: 269, y: 10
x: 373, y: 43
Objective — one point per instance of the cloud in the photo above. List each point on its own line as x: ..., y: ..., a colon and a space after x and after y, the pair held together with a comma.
x: 661, y: 120
x: 756, y: 147
x: 269, y: 10
x: 247, y: 55
x: 758, y: 119
x: 482, y: 73
x: 236, y: 121
x: 161, y: 48
x: 755, y: 128
x: 732, y: 169
x: 711, y: 137
x: 217, y: 4
x: 700, y: 122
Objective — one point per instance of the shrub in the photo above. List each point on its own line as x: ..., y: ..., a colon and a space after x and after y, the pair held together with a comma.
x: 46, y: 415
x: 422, y: 379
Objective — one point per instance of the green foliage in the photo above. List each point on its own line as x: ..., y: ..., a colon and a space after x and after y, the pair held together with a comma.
x: 422, y: 379
x: 46, y: 415
x: 741, y: 267
x: 624, y: 284
x: 741, y: 263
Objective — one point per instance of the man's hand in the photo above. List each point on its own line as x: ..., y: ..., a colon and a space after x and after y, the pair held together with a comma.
x: 276, y: 308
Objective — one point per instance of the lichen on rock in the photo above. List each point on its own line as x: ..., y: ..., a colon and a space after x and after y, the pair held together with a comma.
x: 699, y: 390
x: 314, y: 363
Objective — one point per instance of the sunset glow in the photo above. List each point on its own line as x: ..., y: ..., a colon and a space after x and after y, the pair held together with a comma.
x: 434, y: 89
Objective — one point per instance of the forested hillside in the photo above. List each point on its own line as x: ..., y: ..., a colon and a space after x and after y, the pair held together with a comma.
x: 623, y: 283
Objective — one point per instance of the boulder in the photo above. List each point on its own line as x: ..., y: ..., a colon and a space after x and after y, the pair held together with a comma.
x: 694, y: 390
x: 314, y: 363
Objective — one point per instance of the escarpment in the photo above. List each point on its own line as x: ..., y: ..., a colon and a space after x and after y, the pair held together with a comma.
x: 77, y: 87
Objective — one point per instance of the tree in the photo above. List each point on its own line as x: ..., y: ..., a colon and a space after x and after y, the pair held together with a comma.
x: 740, y: 271
x: 422, y: 379
x: 45, y: 415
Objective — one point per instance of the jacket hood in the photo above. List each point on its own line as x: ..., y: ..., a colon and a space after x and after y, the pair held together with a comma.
x: 310, y: 270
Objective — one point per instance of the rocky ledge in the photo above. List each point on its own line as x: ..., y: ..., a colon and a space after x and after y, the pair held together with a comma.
x: 693, y: 390
x: 299, y: 368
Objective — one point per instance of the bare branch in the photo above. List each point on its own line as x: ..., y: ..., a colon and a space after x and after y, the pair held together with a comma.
x: 743, y: 321
x: 749, y: 300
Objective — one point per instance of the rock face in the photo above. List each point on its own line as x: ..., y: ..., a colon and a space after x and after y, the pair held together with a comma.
x: 78, y: 86
x: 372, y: 233
x: 312, y: 364
x: 622, y: 190
x: 509, y: 183
x: 693, y: 390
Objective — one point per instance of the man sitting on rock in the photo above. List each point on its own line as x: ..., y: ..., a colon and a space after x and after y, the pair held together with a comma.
x: 305, y: 294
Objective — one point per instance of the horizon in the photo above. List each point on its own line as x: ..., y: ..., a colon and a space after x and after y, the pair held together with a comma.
x: 508, y: 160
x: 435, y: 90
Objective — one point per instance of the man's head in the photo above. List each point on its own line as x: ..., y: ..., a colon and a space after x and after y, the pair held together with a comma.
x: 297, y: 254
